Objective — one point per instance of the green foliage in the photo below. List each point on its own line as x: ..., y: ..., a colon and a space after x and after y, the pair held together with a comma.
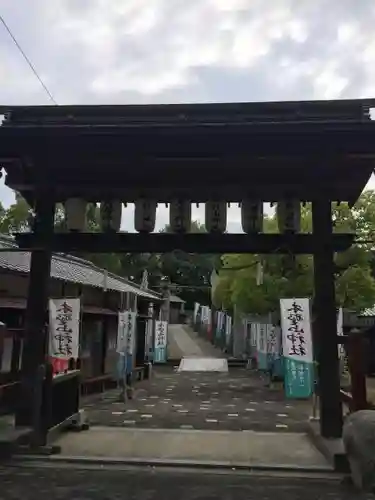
x: 285, y: 276
x: 192, y: 271
x: 16, y: 217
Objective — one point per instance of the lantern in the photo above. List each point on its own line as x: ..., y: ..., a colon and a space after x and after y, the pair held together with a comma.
x: 252, y: 216
x: 289, y: 216
x: 216, y: 216
x: 110, y: 215
x: 180, y: 216
x: 75, y: 214
x: 145, y: 216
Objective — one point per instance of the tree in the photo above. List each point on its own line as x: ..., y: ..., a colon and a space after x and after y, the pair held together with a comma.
x: 355, y: 283
x: 16, y: 218
x: 192, y: 271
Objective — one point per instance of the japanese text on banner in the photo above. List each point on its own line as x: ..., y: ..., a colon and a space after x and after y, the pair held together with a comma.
x: 161, y: 334
x: 295, y: 319
x: 126, y: 331
x: 64, y: 328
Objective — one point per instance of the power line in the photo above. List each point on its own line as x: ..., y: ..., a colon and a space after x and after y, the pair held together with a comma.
x: 28, y: 60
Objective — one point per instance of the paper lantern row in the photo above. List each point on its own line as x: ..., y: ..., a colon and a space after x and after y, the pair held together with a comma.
x: 252, y: 215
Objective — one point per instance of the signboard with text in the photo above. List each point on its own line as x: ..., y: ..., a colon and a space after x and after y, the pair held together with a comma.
x: 262, y: 346
x: 126, y: 329
x: 274, y: 350
x: 160, y: 346
x: 64, y: 327
x: 297, y: 347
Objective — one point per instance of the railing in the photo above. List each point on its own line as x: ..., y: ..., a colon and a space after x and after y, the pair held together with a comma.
x: 55, y: 403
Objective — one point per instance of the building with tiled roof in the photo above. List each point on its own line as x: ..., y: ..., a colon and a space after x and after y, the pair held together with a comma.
x: 102, y: 295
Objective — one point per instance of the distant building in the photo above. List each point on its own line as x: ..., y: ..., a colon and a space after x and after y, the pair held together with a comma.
x: 102, y: 294
x: 176, y: 309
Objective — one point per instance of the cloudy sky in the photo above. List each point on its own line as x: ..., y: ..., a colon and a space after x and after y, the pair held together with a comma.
x: 168, y: 51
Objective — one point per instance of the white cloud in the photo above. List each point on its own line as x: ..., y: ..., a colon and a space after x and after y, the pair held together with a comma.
x: 95, y: 50
x: 140, y: 51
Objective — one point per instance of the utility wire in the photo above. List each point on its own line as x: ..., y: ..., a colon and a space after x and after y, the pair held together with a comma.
x: 27, y: 60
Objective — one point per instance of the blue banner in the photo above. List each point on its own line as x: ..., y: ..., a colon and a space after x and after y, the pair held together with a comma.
x: 124, y: 365
x: 160, y: 349
x: 297, y: 348
x: 299, y: 379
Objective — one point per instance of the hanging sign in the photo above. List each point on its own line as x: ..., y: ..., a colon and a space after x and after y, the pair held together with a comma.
x: 196, y: 310
x: 219, y: 324
x: 126, y: 331
x: 228, y: 330
x: 262, y: 346
x: 209, y: 325
x: 274, y: 350
x: 149, y: 339
x: 340, y: 333
x: 160, y: 350
x: 272, y: 342
x: 64, y: 326
x: 125, y: 341
x: 341, y: 348
x: 297, y: 347
x: 253, y: 336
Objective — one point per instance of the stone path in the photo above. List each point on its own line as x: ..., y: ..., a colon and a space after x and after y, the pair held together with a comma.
x: 182, y: 341
x: 237, y: 400
x: 61, y: 483
x: 246, y: 449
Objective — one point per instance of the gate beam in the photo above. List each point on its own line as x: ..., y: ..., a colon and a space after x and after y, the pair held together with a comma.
x: 191, y: 243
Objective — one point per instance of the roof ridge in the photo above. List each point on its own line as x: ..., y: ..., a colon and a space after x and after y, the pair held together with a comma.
x: 9, y: 241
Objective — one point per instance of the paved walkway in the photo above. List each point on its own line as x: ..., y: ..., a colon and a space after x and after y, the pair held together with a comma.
x: 226, y: 449
x: 238, y: 400
x: 181, y: 344
x: 101, y: 483
x: 230, y: 419
x: 182, y: 341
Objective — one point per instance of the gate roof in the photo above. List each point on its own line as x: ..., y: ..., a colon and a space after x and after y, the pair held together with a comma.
x: 268, y: 151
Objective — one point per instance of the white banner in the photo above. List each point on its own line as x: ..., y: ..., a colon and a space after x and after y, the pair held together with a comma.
x: 254, y: 334
x: 64, y: 326
x: 149, y: 335
x: 273, y: 344
x: 228, y: 326
x: 161, y: 330
x: 196, y: 309
x: 206, y: 315
x: 296, y: 329
x: 262, y: 338
x: 126, y: 331
x: 340, y: 332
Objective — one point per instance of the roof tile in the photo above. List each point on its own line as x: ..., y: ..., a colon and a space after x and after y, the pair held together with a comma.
x: 72, y: 269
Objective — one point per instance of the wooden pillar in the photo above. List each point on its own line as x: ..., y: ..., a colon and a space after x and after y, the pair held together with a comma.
x: 35, y: 336
x: 325, y: 326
